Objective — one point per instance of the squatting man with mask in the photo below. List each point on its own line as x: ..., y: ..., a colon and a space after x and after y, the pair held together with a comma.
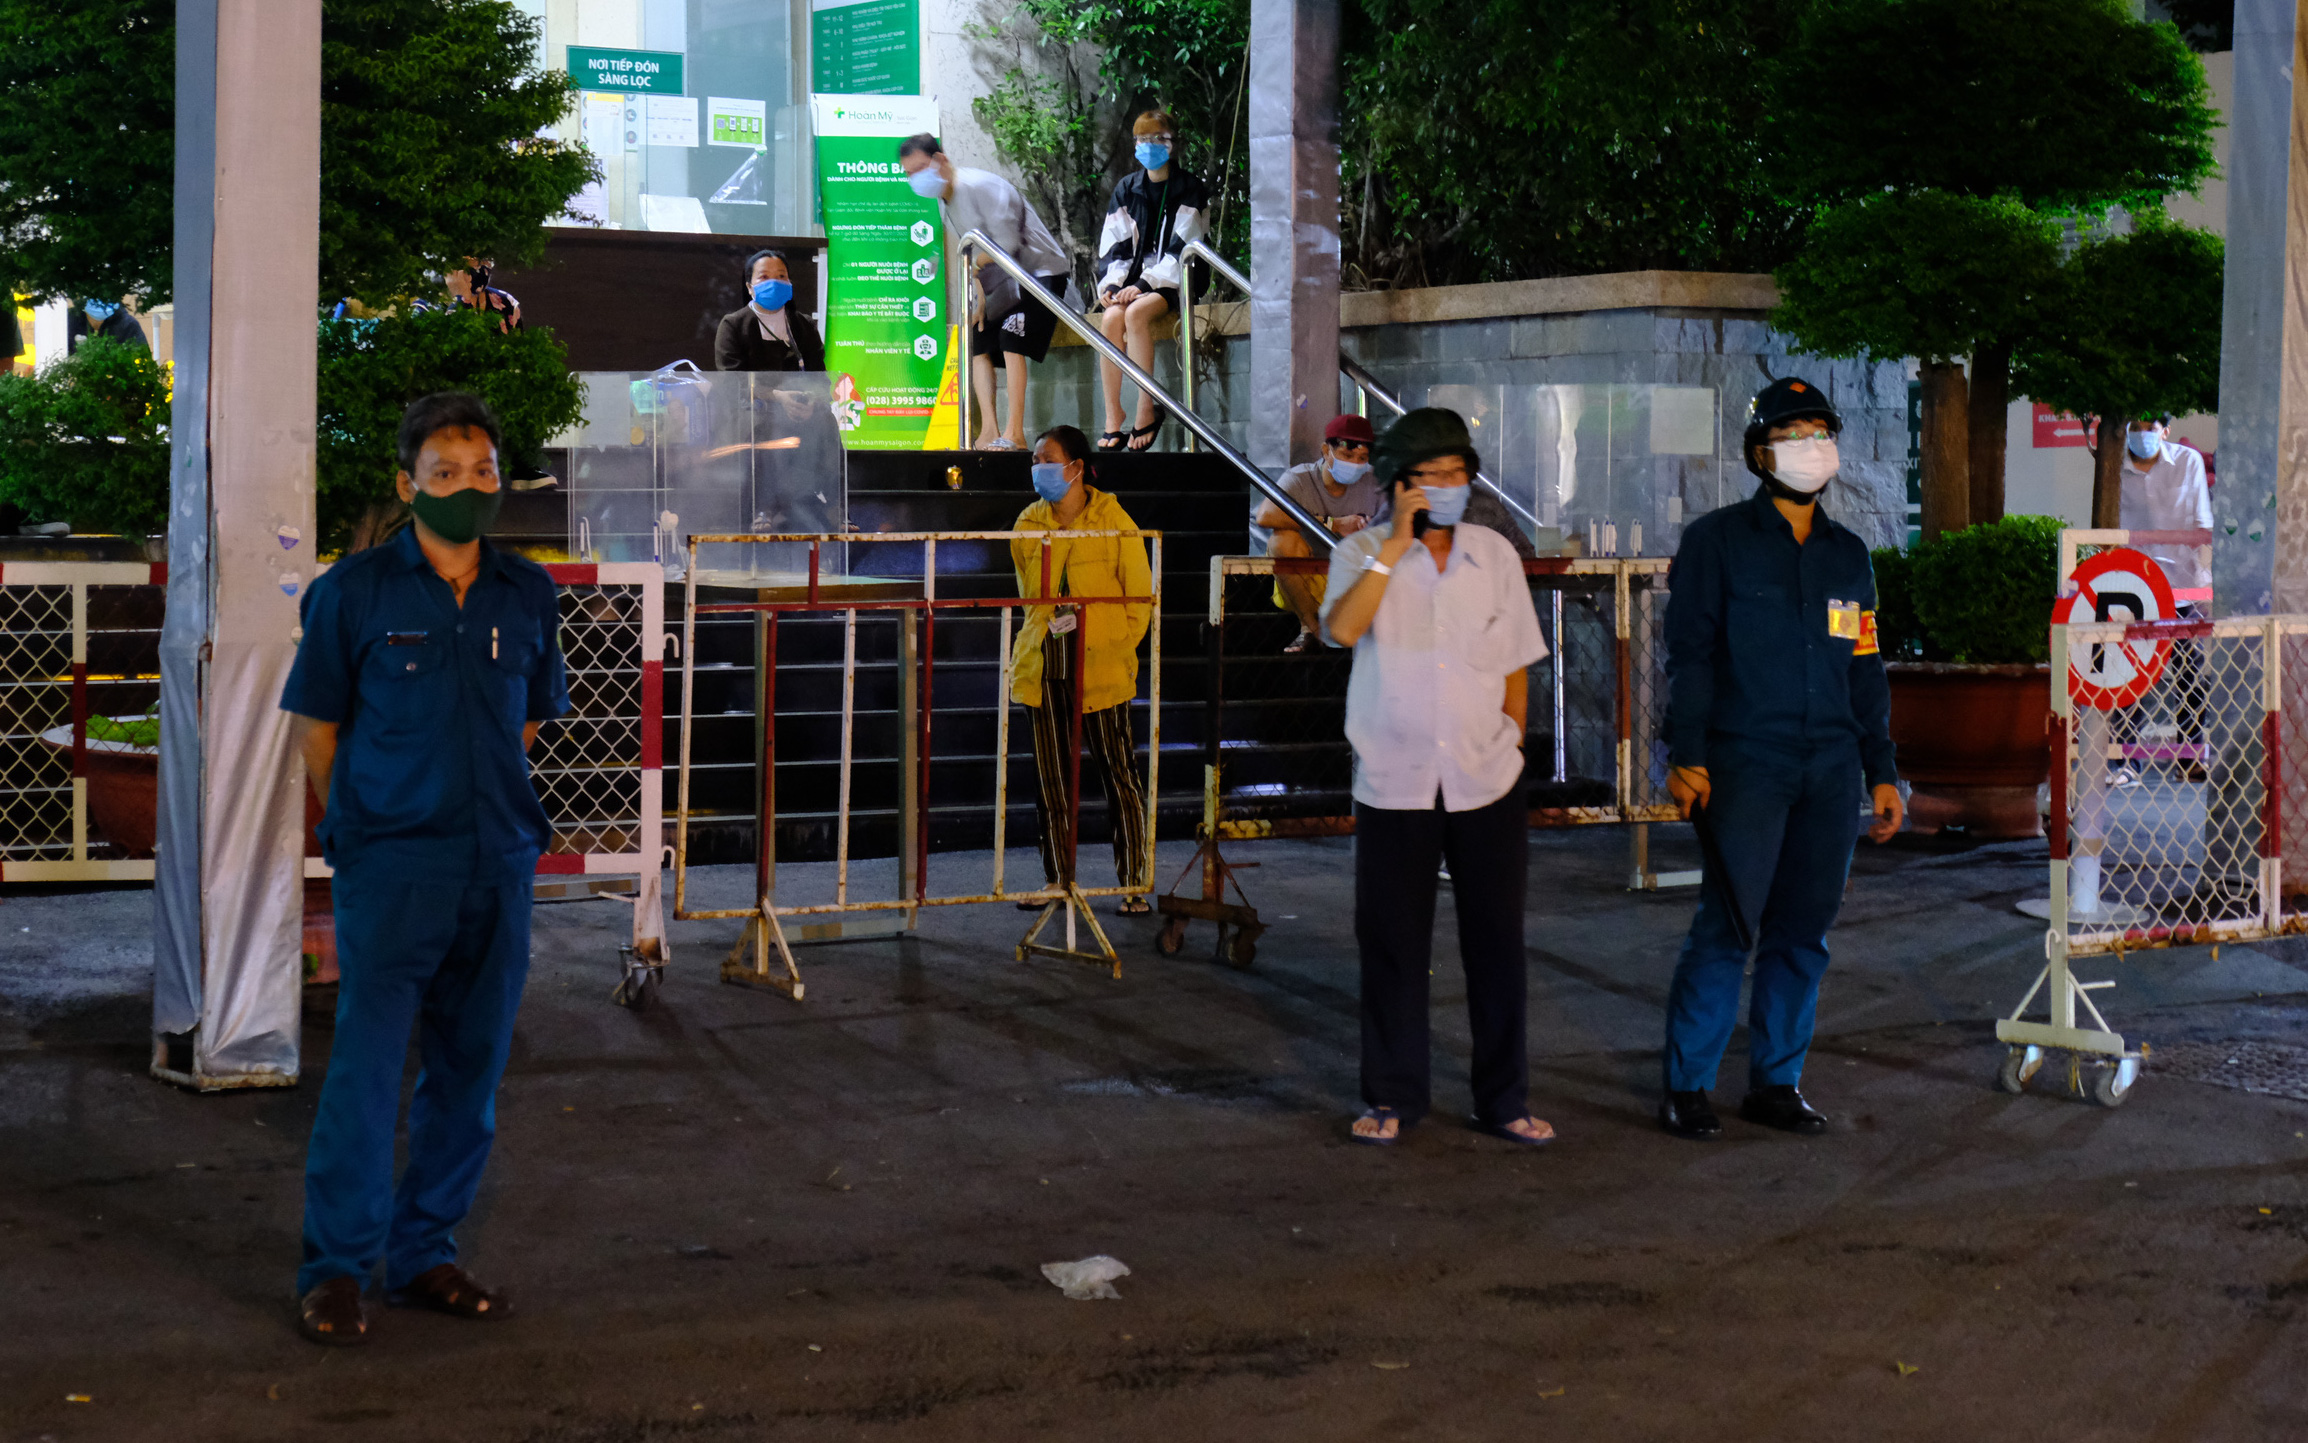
x: 1339, y: 491
x: 1442, y: 626
x: 1779, y: 715
x: 424, y: 668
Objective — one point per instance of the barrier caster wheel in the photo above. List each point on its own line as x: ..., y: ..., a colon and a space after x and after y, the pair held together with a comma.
x: 639, y: 992
x: 1243, y: 952
x: 2020, y: 1064
x: 2112, y: 1082
x: 1172, y: 937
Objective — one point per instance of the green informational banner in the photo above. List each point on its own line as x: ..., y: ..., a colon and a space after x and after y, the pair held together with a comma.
x: 885, y: 334
x: 865, y: 47
x: 656, y: 71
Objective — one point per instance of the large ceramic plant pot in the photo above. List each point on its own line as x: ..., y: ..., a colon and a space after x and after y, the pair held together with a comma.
x: 1975, y: 742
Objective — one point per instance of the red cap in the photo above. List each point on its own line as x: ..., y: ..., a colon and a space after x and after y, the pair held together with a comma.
x: 1350, y: 427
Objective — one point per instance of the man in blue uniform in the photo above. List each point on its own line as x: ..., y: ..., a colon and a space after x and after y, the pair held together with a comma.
x: 1778, y: 713
x: 425, y: 667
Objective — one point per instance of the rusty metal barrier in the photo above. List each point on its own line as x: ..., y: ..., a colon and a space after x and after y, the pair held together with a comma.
x: 816, y: 592
x: 1275, y: 758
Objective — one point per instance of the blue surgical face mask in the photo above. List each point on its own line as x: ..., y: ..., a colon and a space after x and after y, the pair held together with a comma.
x: 99, y: 311
x: 1346, y: 473
x: 771, y: 295
x: 1050, y: 481
x: 1446, y: 504
x: 927, y: 183
x: 2144, y: 444
x: 1153, y: 156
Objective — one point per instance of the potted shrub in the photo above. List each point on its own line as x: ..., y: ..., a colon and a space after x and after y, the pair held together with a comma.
x: 1965, y: 622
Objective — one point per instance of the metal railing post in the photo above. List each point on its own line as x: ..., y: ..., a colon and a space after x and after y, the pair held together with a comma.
x: 1316, y: 533
x: 1186, y: 341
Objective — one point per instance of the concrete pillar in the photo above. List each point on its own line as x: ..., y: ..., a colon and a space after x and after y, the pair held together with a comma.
x: 1293, y: 228
x: 2260, y: 507
x: 229, y: 890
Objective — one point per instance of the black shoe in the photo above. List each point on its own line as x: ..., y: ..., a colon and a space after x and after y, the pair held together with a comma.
x: 1690, y: 1114
x: 1783, y: 1107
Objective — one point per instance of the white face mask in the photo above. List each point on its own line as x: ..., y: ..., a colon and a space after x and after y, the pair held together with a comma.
x: 1804, y: 465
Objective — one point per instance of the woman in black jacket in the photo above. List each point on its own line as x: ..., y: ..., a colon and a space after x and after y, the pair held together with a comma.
x: 767, y: 333
x: 1155, y: 211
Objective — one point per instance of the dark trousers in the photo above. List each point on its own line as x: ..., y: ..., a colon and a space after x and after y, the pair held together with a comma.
x: 1784, y: 827
x: 1395, y: 853
x: 1111, y: 756
x: 449, y: 962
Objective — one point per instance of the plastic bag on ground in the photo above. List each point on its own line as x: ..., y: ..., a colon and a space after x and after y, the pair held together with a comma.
x: 1090, y: 1278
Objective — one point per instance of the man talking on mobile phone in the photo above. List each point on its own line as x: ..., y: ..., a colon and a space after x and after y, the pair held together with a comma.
x: 1442, y: 626
x: 1779, y: 725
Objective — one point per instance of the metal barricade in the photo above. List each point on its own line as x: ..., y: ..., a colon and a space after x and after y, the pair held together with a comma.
x: 78, y: 639
x: 2173, y: 768
x: 822, y: 594
x: 1275, y: 758
x: 80, y: 642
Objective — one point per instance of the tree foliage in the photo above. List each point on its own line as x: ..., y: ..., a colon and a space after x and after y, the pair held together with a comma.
x: 86, y: 440
x: 1926, y: 275
x: 87, y: 167
x: 2065, y: 105
x: 429, y: 148
x: 2133, y: 328
x: 370, y: 370
x: 1498, y: 139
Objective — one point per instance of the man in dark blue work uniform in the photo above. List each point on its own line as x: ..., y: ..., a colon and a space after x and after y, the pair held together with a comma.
x: 424, y: 669
x: 1777, y: 711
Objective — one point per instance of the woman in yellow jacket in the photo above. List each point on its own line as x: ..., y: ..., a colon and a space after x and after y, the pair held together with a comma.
x: 1043, y: 663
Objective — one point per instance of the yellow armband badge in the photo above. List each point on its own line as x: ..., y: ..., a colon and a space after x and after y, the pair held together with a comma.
x: 1866, y: 646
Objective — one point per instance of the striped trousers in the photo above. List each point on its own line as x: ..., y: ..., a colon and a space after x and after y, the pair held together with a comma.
x: 1112, y: 755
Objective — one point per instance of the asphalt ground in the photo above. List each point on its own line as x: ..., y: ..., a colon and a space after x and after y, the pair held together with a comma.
x: 739, y: 1217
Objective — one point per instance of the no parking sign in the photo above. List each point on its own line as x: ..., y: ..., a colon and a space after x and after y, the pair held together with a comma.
x: 2116, y: 585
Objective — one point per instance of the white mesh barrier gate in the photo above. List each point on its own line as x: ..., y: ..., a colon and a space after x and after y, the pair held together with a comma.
x: 2169, y: 746
x: 79, y: 646
x: 78, y: 639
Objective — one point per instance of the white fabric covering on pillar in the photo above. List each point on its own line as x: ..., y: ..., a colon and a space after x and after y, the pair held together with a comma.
x: 2260, y: 507
x: 1293, y: 228
x: 229, y: 875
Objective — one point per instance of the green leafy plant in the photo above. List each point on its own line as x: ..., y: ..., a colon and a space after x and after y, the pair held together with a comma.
x: 86, y: 440
x: 370, y: 370
x: 2132, y: 330
x: 1983, y: 594
x: 430, y: 152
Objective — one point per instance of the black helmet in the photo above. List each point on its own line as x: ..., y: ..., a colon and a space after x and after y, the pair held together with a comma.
x: 1784, y: 400
x: 1422, y: 435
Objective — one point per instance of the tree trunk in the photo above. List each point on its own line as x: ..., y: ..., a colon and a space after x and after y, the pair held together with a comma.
x: 1946, y: 458
x: 1990, y: 416
x: 2108, y: 475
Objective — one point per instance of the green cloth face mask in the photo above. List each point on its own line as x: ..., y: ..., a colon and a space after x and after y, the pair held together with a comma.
x: 459, y: 516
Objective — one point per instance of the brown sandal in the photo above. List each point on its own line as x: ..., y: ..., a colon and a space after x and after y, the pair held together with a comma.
x: 333, y: 1314
x: 450, y: 1289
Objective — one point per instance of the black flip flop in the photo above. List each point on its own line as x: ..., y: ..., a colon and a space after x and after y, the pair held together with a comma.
x: 1150, y: 430
x: 1502, y: 1131
x: 1119, y: 439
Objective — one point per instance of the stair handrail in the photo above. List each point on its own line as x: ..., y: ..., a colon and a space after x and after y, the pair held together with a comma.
x: 1348, y: 367
x: 1309, y: 525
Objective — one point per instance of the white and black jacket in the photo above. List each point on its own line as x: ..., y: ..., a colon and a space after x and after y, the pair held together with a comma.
x: 1148, y: 224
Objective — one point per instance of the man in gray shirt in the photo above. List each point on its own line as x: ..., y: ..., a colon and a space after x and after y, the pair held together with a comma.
x: 1341, y: 493
x: 1010, y: 327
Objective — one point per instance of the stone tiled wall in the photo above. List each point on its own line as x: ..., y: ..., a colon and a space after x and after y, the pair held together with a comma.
x: 1732, y: 351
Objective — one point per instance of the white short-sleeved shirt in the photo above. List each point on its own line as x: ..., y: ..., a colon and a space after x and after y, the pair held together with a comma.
x: 1423, y: 706
x: 2171, y: 494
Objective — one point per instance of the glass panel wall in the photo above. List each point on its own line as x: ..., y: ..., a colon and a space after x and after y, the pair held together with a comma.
x: 714, y: 138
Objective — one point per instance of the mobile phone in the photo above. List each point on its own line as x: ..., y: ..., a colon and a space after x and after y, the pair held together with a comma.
x: 1418, y: 522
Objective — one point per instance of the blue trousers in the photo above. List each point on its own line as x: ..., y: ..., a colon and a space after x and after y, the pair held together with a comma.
x: 448, y: 961
x: 1784, y: 825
